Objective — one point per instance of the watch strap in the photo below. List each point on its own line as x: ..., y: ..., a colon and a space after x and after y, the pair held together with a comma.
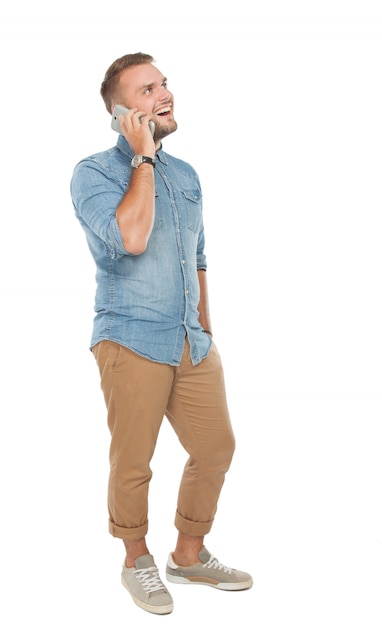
x: 138, y: 159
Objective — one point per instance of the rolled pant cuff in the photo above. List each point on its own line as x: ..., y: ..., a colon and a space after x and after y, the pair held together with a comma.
x: 194, y: 529
x: 128, y: 533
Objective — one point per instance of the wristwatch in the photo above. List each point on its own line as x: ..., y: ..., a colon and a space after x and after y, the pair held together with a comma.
x: 138, y: 159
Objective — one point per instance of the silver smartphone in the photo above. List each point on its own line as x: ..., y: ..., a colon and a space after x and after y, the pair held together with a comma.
x: 120, y: 110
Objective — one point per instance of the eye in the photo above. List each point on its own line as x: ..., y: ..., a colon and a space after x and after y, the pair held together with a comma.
x: 164, y: 84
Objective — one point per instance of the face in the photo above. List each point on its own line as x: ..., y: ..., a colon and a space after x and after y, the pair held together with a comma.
x: 144, y: 87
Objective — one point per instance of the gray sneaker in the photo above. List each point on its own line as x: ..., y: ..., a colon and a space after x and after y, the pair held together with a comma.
x: 208, y: 572
x: 145, y: 586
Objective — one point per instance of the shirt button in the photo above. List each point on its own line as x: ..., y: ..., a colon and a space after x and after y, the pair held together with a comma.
x: 186, y: 292
x: 183, y: 261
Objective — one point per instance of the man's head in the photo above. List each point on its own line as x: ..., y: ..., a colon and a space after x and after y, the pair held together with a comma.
x: 134, y: 82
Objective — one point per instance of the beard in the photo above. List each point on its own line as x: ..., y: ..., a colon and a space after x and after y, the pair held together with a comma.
x: 162, y: 130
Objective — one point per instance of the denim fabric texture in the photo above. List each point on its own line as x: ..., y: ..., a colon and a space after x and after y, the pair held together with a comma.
x: 146, y: 302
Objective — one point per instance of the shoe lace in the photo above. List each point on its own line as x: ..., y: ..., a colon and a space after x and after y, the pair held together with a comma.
x: 214, y: 563
x: 149, y: 579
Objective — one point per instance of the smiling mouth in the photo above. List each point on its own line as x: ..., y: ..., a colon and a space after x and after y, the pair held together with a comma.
x: 164, y: 111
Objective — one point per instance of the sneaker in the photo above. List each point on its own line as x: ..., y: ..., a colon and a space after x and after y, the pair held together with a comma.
x: 208, y: 572
x: 145, y: 586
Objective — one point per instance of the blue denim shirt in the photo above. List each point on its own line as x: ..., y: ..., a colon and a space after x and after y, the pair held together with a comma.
x: 146, y: 302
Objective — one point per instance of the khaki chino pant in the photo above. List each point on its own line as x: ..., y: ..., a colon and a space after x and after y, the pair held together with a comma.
x: 138, y: 394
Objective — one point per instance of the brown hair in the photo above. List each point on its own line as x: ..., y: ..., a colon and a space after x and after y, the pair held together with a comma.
x: 112, y: 75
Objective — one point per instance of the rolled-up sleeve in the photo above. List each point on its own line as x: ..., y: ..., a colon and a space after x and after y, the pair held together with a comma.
x: 96, y: 196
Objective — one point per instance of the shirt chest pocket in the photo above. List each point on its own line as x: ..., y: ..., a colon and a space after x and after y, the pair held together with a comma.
x: 193, y: 202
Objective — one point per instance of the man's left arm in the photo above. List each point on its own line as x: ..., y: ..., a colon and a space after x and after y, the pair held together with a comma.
x: 203, y: 307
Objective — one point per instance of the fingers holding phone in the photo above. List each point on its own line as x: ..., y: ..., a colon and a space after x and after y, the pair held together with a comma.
x: 134, y: 114
x: 136, y: 127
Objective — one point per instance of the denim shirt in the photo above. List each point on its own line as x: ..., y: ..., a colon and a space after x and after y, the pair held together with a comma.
x: 146, y: 302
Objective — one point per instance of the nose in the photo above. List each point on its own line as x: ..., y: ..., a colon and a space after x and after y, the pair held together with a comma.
x: 166, y: 95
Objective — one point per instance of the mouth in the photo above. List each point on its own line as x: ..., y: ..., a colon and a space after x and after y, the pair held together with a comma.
x: 164, y: 111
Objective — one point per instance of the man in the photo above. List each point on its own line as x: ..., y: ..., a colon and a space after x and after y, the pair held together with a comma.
x: 141, y: 210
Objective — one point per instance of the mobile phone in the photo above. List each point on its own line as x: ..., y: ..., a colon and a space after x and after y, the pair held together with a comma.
x: 120, y: 110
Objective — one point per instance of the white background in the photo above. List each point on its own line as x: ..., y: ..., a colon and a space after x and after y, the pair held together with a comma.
x: 279, y: 110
